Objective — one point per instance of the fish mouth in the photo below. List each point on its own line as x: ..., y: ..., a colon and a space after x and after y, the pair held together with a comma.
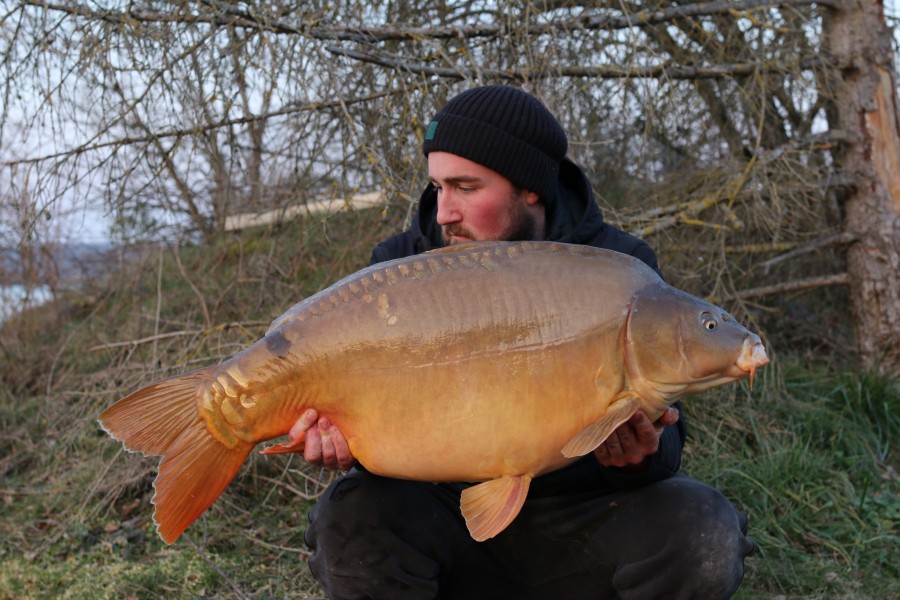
x: 753, y: 355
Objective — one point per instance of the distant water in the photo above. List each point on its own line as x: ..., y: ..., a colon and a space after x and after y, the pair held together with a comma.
x: 14, y: 298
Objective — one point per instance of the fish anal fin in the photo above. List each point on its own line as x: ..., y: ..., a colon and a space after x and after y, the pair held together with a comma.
x: 490, y: 506
x: 297, y: 444
x: 296, y: 436
x: 594, y: 434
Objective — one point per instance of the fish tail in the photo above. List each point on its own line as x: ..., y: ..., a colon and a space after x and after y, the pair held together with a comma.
x: 162, y: 420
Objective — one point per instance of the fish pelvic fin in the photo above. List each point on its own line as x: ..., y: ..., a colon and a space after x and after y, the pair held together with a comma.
x: 596, y: 433
x: 490, y: 507
x: 162, y: 419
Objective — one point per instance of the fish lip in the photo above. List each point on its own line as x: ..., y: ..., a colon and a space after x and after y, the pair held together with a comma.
x: 753, y: 355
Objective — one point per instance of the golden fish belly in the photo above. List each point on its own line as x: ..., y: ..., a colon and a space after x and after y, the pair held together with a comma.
x: 452, y: 413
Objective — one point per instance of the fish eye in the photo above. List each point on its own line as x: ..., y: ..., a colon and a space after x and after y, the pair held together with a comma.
x: 709, y: 321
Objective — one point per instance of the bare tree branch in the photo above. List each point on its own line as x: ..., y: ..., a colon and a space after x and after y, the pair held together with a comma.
x: 785, y: 287
x: 233, y: 16
x: 191, y: 332
x: 835, y: 239
x: 662, y: 71
x: 179, y: 133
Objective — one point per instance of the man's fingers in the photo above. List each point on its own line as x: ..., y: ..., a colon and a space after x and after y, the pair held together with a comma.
x: 329, y: 455
x: 306, y: 420
x: 324, y: 444
x: 313, y: 451
x: 644, y: 427
x: 671, y: 416
x: 345, y: 460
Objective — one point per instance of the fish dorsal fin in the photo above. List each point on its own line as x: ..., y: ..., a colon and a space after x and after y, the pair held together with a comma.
x: 594, y: 434
x: 464, y: 247
x: 490, y: 506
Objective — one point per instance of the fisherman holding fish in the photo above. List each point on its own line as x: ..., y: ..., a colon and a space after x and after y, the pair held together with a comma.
x: 507, y: 408
x: 620, y: 522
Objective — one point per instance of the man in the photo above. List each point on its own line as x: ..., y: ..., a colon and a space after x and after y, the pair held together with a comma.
x: 618, y: 523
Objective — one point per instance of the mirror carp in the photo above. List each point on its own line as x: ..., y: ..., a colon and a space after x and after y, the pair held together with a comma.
x: 487, y: 362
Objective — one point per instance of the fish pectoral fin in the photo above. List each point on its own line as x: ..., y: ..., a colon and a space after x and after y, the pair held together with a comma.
x: 594, y: 434
x: 490, y: 506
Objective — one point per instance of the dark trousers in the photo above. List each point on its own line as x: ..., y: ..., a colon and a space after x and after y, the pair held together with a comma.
x: 380, y: 538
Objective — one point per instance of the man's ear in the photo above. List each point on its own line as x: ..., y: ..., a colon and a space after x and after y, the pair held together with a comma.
x: 531, y: 198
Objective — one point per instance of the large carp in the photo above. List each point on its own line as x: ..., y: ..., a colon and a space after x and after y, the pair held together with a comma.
x: 488, y: 362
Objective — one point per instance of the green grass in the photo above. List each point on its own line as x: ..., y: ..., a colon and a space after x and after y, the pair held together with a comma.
x: 809, y: 461
x: 807, y: 454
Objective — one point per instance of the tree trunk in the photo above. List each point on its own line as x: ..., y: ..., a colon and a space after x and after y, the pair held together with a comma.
x: 866, y: 107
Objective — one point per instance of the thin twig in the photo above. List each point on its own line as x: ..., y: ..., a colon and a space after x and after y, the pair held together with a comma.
x: 687, y: 212
x: 171, y: 334
x: 228, y: 580
x: 158, y: 304
x: 321, y: 486
x: 665, y: 70
x: 761, y: 248
x: 196, y: 291
x: 836, y: 239
x: 300, y: 551
x: 785, y: 287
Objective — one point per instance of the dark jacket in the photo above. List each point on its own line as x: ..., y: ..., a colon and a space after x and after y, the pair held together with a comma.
x: 572, y: 217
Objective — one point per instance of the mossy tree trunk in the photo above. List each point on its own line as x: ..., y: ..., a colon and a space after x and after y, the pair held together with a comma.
x: 859, y: 41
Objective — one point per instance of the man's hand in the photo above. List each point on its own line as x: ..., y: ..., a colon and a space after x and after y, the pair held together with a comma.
x: 325, y: 445
x: 634, y: 440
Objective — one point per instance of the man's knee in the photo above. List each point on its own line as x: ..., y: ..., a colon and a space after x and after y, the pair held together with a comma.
x: 363, y: 500
x: 711, y: 534
x: 694, y: 547
x: 355, y: 506
x: 700, y: 513
x: 370, y: 537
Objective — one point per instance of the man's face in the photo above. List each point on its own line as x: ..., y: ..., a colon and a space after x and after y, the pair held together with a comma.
x: 476, y: 203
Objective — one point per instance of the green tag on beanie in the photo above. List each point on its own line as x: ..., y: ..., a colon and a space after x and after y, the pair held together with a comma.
x: 432, y: 129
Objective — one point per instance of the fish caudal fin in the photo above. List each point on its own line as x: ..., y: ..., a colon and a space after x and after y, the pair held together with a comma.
x: 152, y: 418
x: 596, y: 433
x: 162, y: 420
x: 192, y: 474
x: 490, y: 506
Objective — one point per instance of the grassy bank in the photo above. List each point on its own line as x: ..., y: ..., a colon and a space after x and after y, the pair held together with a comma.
x: 809, y: 453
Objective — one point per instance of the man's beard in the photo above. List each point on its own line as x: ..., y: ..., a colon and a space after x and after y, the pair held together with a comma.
x: 522, y: 225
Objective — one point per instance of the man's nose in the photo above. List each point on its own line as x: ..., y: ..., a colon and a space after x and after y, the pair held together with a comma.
x: 448, y: 209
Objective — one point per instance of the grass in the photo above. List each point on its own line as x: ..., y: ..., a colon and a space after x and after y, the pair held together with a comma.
x: 809, y: 454
x: 809, y: 461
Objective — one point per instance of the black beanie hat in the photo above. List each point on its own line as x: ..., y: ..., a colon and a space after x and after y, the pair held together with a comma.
x: 504, y: 129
